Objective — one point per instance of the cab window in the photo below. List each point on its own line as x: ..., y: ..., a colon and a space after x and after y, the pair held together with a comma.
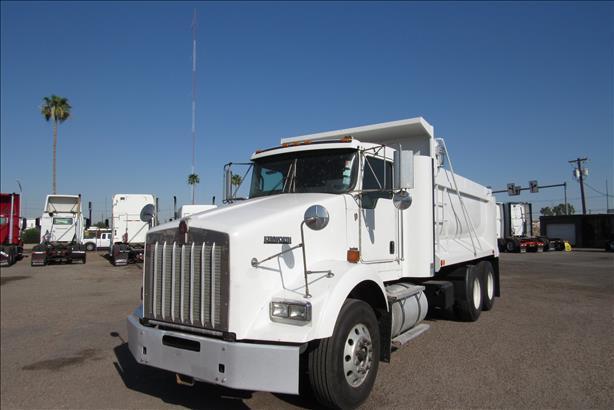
x: 376, y: 181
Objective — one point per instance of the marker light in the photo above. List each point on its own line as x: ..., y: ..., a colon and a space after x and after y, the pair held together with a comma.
x: 353, y: 255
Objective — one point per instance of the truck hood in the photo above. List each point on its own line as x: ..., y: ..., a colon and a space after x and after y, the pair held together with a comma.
x: 268, y: 211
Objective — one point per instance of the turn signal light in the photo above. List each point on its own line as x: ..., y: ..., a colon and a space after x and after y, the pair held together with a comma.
x: 346, y: 139
x: 353, y: 255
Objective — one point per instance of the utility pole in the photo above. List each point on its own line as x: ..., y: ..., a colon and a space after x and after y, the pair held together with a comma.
x: 579, y: 173
x: 607, y: 197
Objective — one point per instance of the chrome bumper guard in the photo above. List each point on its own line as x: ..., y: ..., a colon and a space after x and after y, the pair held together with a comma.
x: 247, y: 366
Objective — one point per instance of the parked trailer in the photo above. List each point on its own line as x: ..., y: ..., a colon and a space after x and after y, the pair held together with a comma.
x: 326, y: 261
x: 133, y: 215
x: 514, y: 230
x: 62, y: 226
x: 11, y: 246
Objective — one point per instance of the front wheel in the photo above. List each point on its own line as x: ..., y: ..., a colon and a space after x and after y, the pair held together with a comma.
x: 343, y: 368
x: 90, y: 246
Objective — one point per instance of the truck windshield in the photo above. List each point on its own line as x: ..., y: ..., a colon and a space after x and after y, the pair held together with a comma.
x: 326, y: 171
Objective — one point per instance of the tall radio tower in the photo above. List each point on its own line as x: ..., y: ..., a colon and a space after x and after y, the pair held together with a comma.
x: 193, y: 177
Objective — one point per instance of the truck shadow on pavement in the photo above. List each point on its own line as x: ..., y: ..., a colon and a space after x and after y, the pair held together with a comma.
x: 162, y: 384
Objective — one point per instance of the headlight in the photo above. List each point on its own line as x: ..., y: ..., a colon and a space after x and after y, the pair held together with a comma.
x: 290, y: 311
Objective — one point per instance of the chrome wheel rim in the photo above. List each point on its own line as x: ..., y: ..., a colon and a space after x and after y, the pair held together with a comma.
x: 357, y: 355
x: 477, y: 294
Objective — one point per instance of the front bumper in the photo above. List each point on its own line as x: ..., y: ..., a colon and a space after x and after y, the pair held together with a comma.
x: 247, y: 366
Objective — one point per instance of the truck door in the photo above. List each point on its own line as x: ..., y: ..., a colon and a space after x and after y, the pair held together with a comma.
x: 378, y: 225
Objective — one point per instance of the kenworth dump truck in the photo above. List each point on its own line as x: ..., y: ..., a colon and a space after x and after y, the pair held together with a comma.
x: 62, y: 226
x: 11, y: 224
x: 347, y: 239
x: 133, y: 215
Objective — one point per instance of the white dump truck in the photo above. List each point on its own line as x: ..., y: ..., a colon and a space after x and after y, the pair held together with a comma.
x: 347, y: 239
x: 62, y: 226
x: 133, y: 215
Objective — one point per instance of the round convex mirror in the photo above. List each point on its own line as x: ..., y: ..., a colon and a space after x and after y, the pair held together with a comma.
x: 147, y: 213
x: 401, y: 200
x: 316, y: 217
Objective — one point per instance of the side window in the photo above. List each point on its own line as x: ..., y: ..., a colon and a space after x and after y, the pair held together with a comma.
x: 377, y: 174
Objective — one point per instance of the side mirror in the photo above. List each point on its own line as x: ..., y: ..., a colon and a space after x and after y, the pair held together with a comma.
x: 106, y: 223
x: 403, y: 169
x: 88, y: 223
x: 316, y: 217
x: 37, y: 222
x: 24, y: 224
x: 401, y: 200
x: 227, y: 183
x: 147, y: 213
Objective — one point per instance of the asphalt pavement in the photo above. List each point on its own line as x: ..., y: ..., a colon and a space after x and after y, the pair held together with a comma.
x: 548, y: 343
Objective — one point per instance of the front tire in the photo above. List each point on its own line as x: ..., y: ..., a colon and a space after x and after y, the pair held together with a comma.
x: 90, y: 246
x: 343, y: 368
x: 510, y: 246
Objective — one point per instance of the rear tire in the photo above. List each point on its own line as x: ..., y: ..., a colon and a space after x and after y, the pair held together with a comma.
x: 343, y: 368
x: 510, y: 246
x: 488, y: 285
x: 468, y: 309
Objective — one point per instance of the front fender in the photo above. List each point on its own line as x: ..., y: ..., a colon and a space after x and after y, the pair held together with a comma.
x: 327, y: 297
x: 334, y: 295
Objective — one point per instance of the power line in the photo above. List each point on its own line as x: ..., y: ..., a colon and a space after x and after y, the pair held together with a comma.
x: 596, y: 190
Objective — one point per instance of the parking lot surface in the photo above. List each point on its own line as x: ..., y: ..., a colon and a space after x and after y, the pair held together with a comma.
x: 548, y: 343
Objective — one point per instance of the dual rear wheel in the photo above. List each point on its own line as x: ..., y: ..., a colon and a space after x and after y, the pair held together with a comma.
x: 479, y: 291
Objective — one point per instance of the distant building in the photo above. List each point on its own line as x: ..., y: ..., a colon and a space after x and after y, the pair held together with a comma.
x: 582, y: 231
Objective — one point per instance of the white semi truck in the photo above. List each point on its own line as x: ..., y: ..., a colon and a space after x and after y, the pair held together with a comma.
x: 133, y: 215
x: 347, y: 239
x: 62, y: 226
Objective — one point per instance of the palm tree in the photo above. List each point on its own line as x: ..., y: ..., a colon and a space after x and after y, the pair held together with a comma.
x: 56, y: 109
x: 236, y: 179
x: 193, y: 179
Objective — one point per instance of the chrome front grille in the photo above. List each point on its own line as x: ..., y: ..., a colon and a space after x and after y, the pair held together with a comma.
x: 186, y: 283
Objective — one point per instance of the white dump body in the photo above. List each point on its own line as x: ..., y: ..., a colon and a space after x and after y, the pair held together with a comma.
x: 187, y: 210
x: 62, y: 219
x: 127, y: 225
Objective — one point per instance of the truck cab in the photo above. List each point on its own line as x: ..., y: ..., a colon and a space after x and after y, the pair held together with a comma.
x: 62, y: 226
x: 332, y: 256
x: 133, y: 215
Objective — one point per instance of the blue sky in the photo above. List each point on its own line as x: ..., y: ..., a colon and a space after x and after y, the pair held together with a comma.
x: 517, y: 89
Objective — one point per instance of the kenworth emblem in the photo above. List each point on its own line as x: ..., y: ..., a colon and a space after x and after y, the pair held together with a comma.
x: 278, y: 239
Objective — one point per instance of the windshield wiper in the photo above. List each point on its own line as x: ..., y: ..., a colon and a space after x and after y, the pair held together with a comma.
x: 290, y: 181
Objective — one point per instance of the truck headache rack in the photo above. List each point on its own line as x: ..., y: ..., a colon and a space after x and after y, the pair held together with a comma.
x: 187, y: 283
